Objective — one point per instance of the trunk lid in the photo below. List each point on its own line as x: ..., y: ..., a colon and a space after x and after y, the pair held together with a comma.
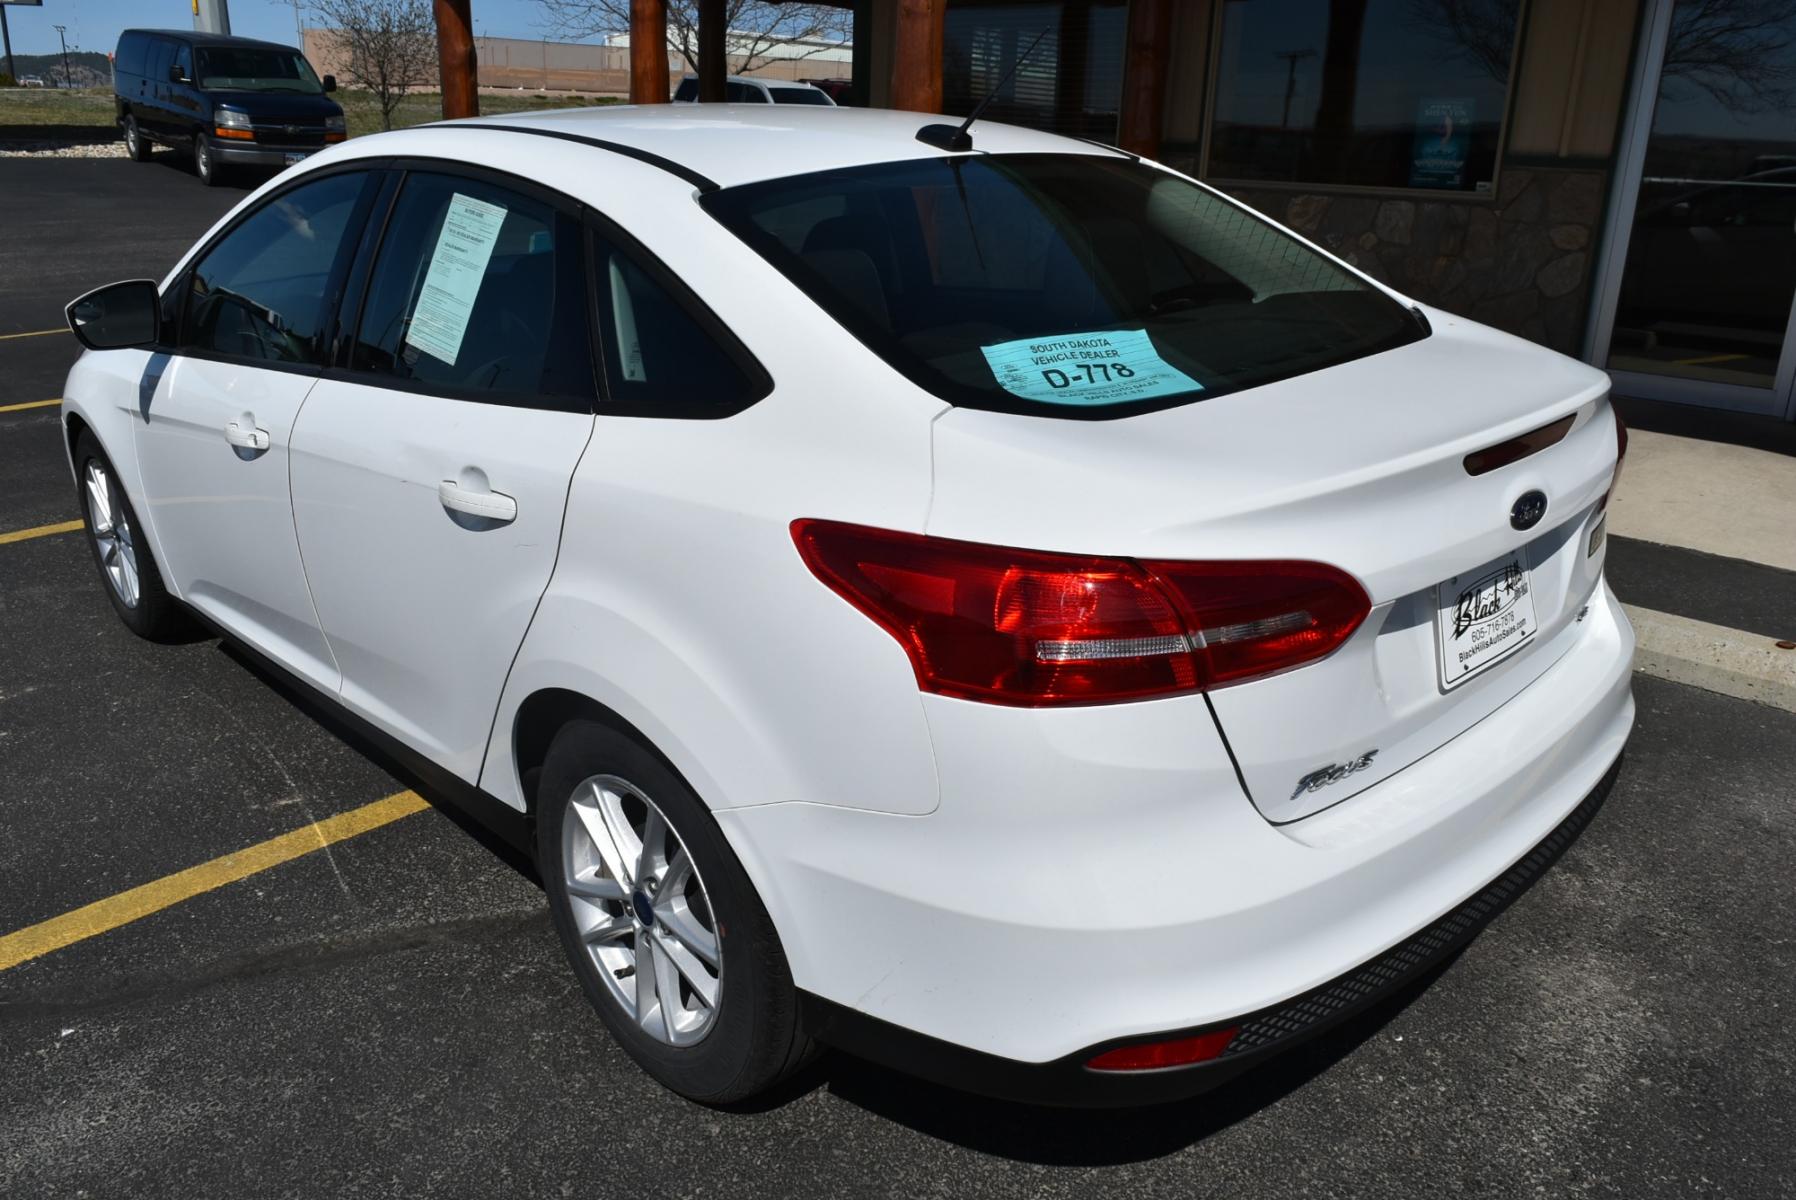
x: 1360, y: 466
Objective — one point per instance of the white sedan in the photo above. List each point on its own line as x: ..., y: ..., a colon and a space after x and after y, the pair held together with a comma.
x: 1013, y: 612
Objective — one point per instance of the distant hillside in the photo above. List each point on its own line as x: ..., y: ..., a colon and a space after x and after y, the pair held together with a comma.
x: 87, y: 68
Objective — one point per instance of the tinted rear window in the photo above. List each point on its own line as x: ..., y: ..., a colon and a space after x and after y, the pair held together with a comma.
x: 1065, y: 285
x: 804, y: 95
x: 129, y: 59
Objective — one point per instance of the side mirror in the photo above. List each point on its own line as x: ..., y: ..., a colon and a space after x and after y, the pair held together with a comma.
x: 117, y: 316
x: 175, y: 74
x: 330, y: 83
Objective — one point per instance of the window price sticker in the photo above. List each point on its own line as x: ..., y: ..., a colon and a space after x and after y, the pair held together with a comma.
x: 1115, y: 367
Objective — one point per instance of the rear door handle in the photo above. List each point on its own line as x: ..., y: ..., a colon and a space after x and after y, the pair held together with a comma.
x: 247, y: 436
x: 493, y: 506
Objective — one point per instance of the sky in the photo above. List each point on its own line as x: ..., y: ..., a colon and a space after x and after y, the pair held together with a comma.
x: 95, y: 24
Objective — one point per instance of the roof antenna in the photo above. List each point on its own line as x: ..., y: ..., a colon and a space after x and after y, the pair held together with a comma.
x: 947, y: 137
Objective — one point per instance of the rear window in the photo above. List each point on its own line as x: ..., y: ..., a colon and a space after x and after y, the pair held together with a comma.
x: 1064, y: 285
x: 803, y: 95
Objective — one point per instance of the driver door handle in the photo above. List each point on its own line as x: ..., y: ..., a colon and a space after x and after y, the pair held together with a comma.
x: 494, y: 506
x: 247, y: 436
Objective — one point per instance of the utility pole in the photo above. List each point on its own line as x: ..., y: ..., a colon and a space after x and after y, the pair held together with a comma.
x: 299, y: 30
x: 6, y: 36
x: 1292, y: 58
x: 66, y: 80
x: 212, y: 16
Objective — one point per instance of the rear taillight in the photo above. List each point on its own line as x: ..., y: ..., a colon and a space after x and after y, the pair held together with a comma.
x: 1621, y: 452
x: 1025, y: 627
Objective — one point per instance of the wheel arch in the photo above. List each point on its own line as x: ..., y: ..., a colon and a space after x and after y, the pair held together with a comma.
x: 543, y: 714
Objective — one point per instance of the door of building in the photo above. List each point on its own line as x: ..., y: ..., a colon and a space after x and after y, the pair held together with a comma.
x: 1695, y: 302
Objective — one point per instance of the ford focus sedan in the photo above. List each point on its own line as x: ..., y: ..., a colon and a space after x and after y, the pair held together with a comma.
x: 1013, y: 612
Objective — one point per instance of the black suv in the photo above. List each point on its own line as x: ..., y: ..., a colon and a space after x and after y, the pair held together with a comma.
x: 227, y: 101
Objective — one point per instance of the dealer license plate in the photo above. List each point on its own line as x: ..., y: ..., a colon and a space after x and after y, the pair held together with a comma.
x: 1483, y: 616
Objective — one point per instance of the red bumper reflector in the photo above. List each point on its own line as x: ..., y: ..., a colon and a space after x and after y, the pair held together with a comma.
x: 1149, y: 1056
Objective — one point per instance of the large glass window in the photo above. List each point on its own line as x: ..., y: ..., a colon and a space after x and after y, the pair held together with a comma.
x: 1071, y: 83
x: 1368, y: 93
x: 478, y: 289
x: 253, y: 69
x: 1067, y: 285
x: 263, y: 292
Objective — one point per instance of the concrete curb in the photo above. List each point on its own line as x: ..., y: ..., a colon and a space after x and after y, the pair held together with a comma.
x: 1714, y: 658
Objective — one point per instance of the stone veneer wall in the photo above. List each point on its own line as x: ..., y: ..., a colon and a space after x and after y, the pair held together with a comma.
x: 1521, y: 263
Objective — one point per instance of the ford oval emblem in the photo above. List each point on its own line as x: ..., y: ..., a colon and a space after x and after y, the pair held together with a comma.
x: 1528, y: 509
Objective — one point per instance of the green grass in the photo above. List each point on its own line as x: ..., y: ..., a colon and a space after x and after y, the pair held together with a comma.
x: 56, y: 106
x: 94, y: 106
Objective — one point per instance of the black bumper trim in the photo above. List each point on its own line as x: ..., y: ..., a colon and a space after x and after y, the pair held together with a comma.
x: 1068, y: 1082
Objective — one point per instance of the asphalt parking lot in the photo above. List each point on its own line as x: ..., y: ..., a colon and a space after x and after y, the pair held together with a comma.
x: 391, y: 1014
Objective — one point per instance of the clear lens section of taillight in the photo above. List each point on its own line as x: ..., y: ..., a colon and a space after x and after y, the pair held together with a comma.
x: 1621, y: 453
x: 1026, y: 627
x: 1258, y: 618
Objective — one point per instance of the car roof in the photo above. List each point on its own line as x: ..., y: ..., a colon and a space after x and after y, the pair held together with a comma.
x: 194, y: 38
x: 730, y: 144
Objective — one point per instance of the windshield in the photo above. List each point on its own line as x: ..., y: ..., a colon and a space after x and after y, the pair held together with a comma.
x: 803, y: 95
x: 1066, y: 285
x: 248, y: 69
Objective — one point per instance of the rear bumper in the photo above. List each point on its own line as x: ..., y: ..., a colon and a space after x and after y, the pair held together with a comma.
x: 1096, y: 876
x: 1069, y: 1082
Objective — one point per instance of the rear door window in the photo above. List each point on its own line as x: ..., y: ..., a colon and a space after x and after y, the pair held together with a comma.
x: 479, y: 292
x: 665, y: 353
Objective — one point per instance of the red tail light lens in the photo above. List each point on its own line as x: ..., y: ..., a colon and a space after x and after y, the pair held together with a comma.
x: 1149, y: 1056
x: 1621, y: 452
x: 1024, y: 627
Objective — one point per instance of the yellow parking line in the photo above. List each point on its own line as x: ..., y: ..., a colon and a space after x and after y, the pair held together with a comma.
x: 7, y: 337
x: 23, y: 535
x: 29, y: 404
x: 103, y: 916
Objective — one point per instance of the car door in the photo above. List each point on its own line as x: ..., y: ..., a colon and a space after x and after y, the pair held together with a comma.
x: 431, y: 472
x: 152, y: 104
x: 256, y: 309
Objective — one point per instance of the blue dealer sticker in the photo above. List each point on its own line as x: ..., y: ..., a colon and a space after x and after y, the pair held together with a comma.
x: 1086, y: 368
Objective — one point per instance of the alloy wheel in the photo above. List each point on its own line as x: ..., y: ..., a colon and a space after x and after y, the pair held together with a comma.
x: 641, y: 910
x: 112, y: 533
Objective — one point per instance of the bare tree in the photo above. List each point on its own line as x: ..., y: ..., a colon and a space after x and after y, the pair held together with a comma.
x: 755, y: 26
x: 1482, y: 32
x: 1738, y: 51
x: 390, y: 46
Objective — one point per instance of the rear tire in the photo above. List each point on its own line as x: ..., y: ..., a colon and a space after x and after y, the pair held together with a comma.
x: 127, y: 568
x: 601, y: 785
x: 205, y: 163
x: 137, y: 149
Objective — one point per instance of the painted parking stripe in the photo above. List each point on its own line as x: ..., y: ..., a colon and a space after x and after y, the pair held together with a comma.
x: 7, y: 337
x: 6, y: 408
x: 25, y: 535
x: 103, y: 916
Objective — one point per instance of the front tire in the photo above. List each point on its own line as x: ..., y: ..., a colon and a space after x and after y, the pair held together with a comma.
x: 128, y: 569
x: 205, y: 163
x: 660, y: 922
x: 137, y: 149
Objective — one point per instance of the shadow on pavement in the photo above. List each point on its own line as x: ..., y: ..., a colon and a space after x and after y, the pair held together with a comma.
x: 1751, y: 430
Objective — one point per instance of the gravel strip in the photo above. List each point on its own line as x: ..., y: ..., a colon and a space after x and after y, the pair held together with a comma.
x: 61, y: 150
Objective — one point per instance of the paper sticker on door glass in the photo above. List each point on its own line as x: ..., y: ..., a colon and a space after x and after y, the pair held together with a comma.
x: 457, y: 265
x: 1115, y: 367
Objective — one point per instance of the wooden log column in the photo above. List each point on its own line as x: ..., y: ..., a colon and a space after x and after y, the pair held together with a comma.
x: 917, y: 56
x: 455, y: 59
x: 648, y: 52
x: 1146, y: 59
x: 713, y: 52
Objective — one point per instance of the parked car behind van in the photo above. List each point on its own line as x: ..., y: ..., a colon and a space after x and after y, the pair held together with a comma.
x: 745, y: 89
x: 226, y: 101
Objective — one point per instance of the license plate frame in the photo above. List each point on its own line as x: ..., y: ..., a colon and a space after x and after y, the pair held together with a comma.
x: 1483, y: 617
